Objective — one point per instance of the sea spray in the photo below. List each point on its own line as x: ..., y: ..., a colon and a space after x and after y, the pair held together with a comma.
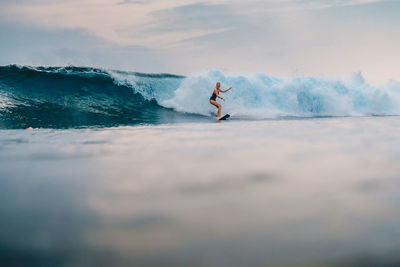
x: 63, y: 97
x: 263, y: 96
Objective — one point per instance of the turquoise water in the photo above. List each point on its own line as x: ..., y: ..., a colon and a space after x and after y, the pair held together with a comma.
x: 306, y: 192
x: 80, y: 97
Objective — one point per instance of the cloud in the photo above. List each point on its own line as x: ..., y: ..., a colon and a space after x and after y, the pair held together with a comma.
x: 352, y: 2
x: 30, y: 45
x: 278, y: 36
x: 134, y: 22
x: 196, y: 16
x: 336, y: 3
x: 137, y: 2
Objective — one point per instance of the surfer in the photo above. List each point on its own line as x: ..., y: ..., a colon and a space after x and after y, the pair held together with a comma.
x: 213, y: 98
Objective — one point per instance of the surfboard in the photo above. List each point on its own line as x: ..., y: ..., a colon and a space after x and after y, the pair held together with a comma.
x: 224, y: 117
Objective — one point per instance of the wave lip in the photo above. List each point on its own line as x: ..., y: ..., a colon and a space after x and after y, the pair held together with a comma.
x: 64, y: 97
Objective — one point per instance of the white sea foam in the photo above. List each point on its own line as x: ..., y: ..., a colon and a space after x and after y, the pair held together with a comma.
x: 263, y: 96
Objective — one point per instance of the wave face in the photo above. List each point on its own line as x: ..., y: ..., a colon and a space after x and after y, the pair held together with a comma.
x: 55, y: 97
x: 65, y: 97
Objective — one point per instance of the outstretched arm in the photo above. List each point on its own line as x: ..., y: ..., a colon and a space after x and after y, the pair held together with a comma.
x: 220, y: 97
x: 224, y: 91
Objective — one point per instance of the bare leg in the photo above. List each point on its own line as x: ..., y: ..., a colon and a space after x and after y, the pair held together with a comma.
x: 218, y: 105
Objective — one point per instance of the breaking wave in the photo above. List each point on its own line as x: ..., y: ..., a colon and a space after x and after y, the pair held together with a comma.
x: 65, y: 97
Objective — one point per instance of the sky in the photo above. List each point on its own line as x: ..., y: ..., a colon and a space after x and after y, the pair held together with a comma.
x: 284, y: 38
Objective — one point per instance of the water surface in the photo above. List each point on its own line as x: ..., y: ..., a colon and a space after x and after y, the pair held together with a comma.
x: 268, y: 193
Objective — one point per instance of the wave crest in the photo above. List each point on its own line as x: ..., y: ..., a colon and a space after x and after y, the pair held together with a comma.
x: 62, y: 97
x: 263, y: 96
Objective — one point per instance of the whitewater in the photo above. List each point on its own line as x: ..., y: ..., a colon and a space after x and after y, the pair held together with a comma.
x: 64, y: 97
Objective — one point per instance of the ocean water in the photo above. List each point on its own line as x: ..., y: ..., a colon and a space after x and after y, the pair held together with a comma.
x: 131, y: 169
x: 71, y: 97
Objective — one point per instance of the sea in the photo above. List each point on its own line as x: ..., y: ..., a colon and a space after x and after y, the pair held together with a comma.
x: 114, y: 168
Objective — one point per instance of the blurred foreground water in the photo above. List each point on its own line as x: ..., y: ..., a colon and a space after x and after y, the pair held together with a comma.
x: 317, y: 192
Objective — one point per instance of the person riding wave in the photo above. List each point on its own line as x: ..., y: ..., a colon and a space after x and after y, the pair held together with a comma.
x: 213, y: 98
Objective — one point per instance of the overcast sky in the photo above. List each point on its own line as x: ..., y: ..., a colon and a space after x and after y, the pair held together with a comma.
x: 280, y: 37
